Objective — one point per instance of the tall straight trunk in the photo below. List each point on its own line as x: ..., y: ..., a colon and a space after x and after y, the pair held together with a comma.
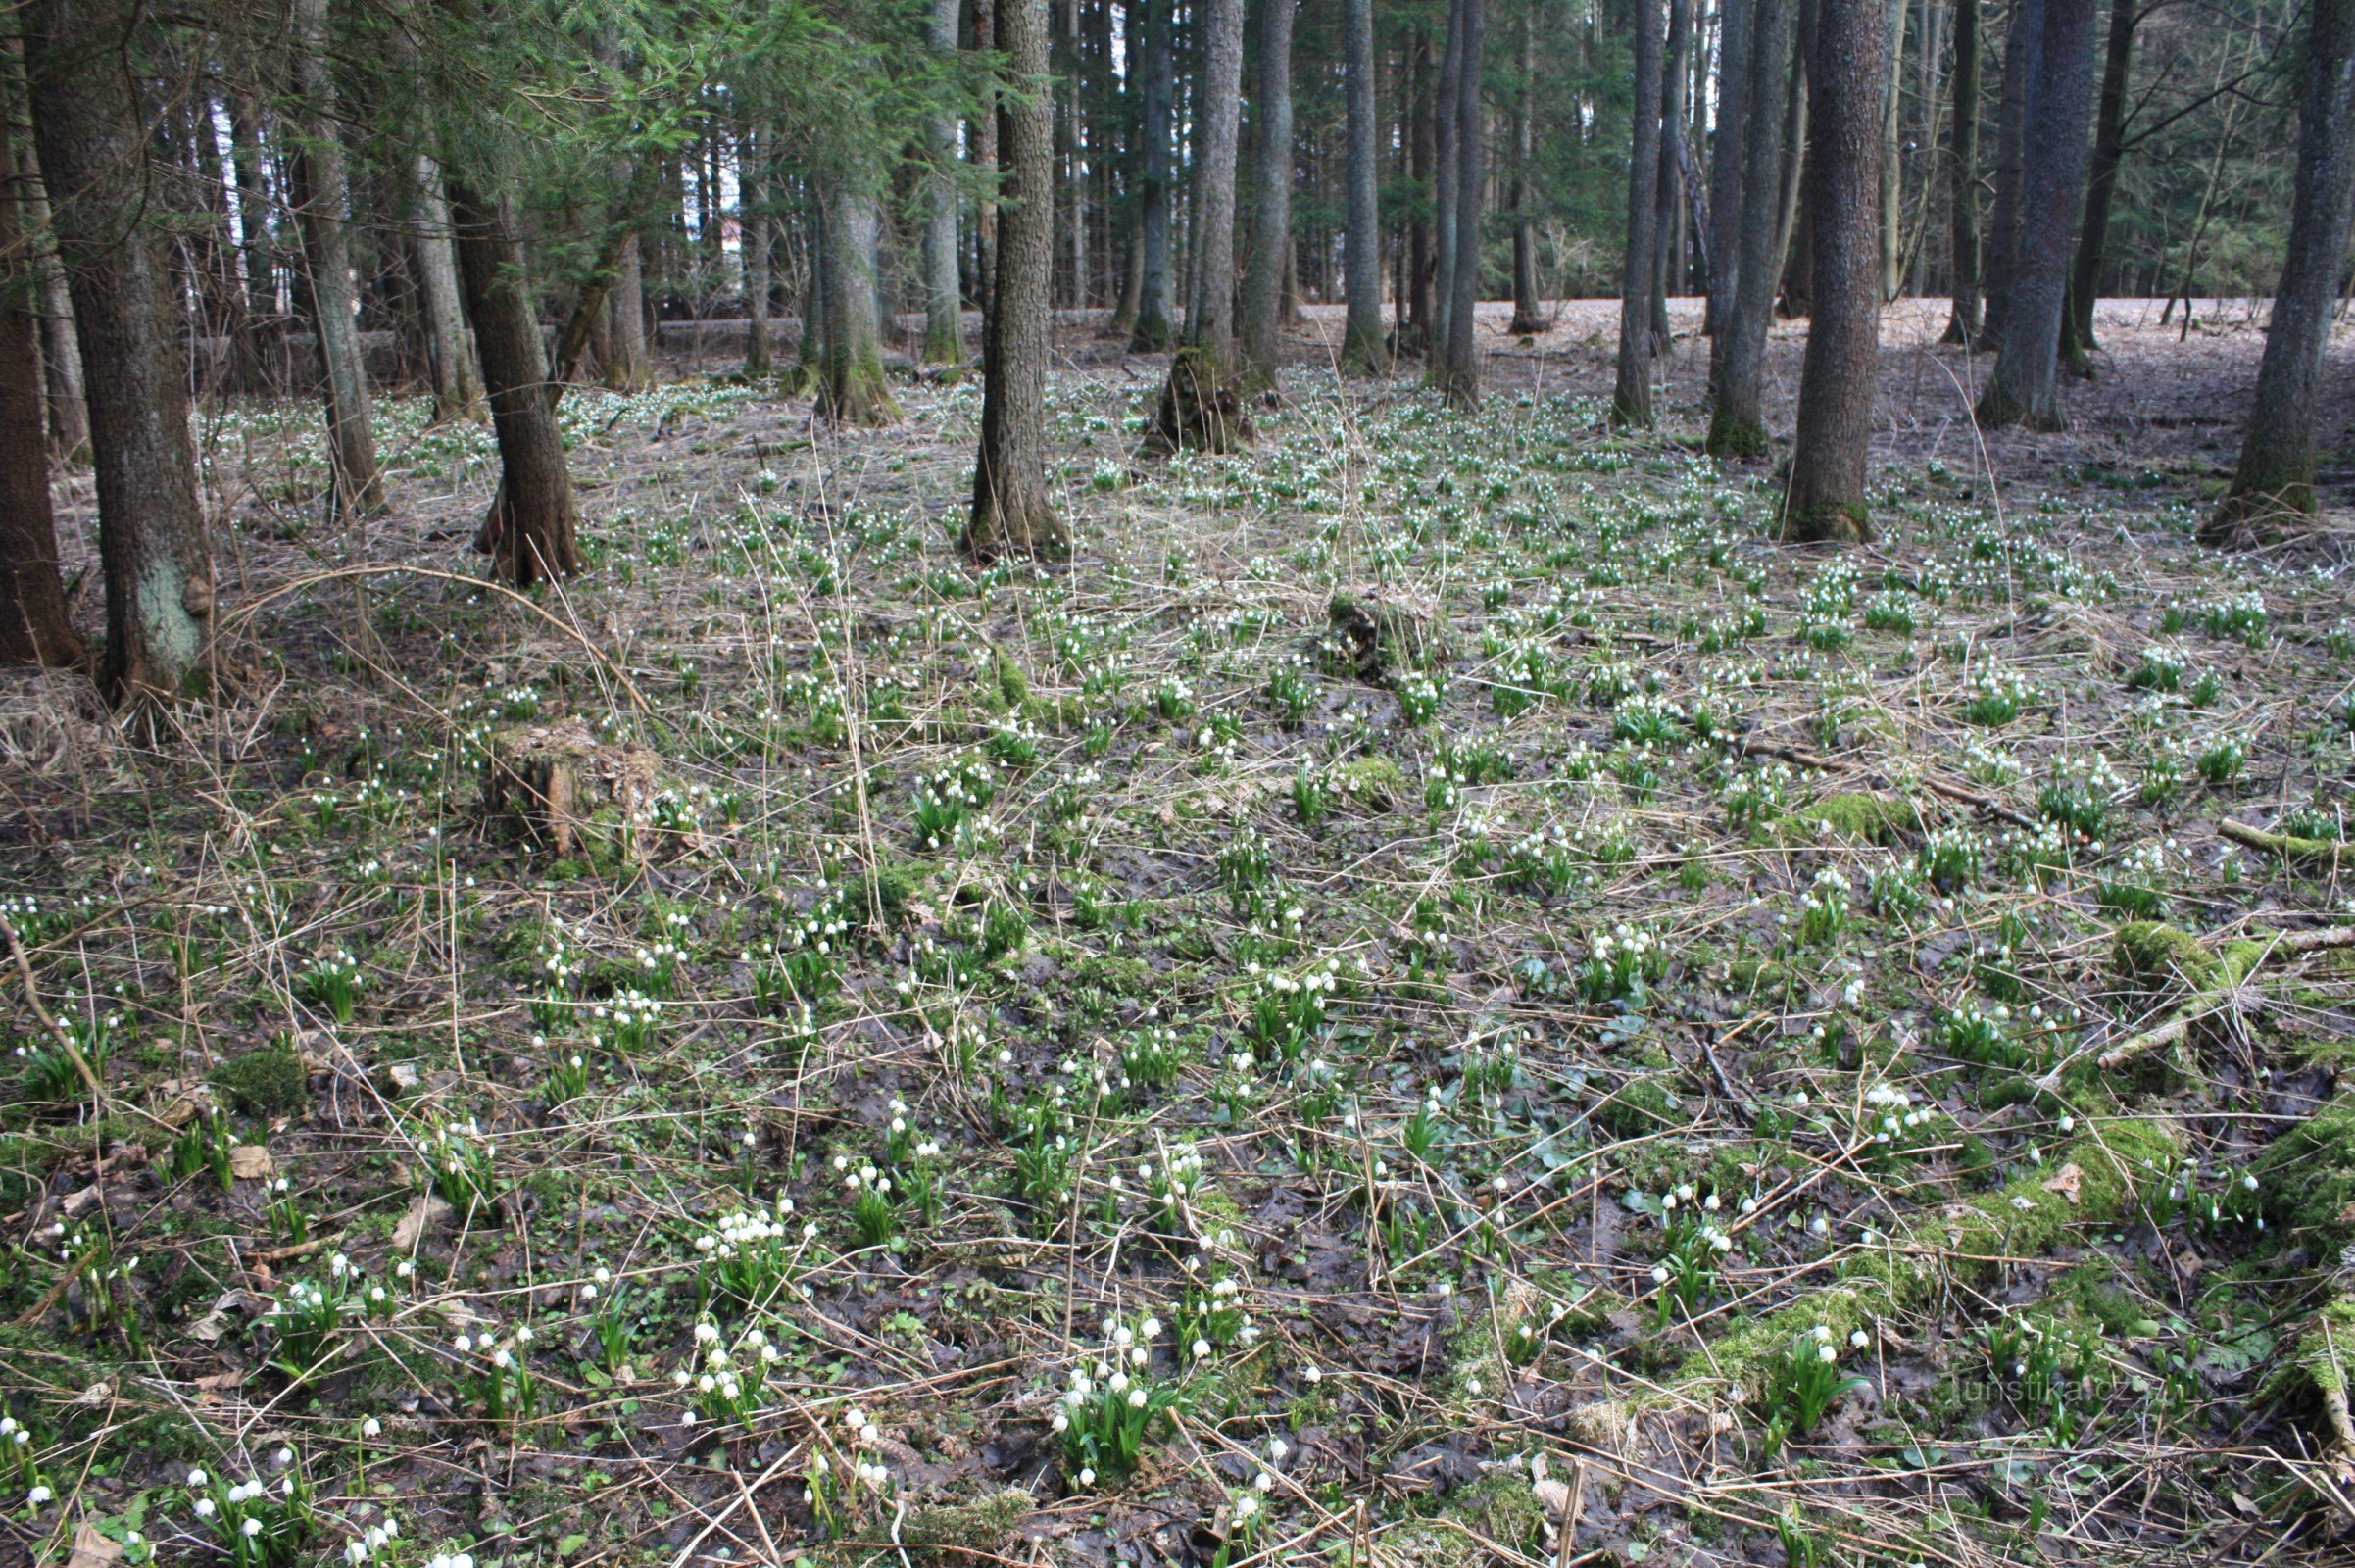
x: 1210, y: 314
x: 943, y: 302
x: 1825, y: 499
x: 985, y: 159
x: 1930, y: 58
x: 2101, y: 186
x: 1667, y: 231
x: 1528, y: 312
x: 1738, y: 354
x: 2026, y: 384
x: 1422, y: 157
x: 1962, y: 324
x: 83, y: 57
x: 1271, y: 221
x: 456, y: 383
x: 1445, y: 123
x: 1892, y: 202
x: 1013, y: 512
x: 810, y: 352
x: 1122, y: 327
x: 2023, y: 43
x: 1154, y: 330
x: 753, y: 205
x: 1462, y: 381
x: 262, y: 320
x: 632, y: 367
x: 1797, y: 246
x: 323, y: 197
x: 60, y: 347
x: 1726, y: 157
x: 2274, y: 481
x: 851, y: 389
x: 1631, y: 396
x: 531, y: 533
x: 34, y: 627
x: 1362, y: 342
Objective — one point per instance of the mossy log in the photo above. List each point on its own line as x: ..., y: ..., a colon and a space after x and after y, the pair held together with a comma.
x: 553, y: 781
x: 1383, y: 630
x: 2321, y: 854
x: 2216, y: 981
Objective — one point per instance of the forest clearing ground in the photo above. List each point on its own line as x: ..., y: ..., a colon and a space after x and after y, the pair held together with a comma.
x: 1677, y: 943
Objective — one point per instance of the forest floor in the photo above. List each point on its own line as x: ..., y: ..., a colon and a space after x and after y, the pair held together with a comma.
x: 1753, y: 1054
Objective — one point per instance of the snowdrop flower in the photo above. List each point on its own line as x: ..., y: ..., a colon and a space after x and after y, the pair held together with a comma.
x: 1859, y: 1340
x: 1087, y: 1476
x: 37, y: 1496
x: 205, y: 1508
x: 196, y: 1478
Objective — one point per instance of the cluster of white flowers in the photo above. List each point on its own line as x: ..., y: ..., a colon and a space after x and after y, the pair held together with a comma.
x: 375, y: 1538
x: 1892, y: 1115
x: 726, y: 1378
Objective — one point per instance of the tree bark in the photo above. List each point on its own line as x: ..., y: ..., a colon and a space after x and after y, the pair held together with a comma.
x: 851, y: 389
x: 753, y: 203
x: 60, y: 347
x: 532, y: 530
x: 943, y: 302
x: 1014, y: 512
x: 1962, y: 324
x: 1154, y: 330
x: 2101, y: 186
x: 1529, y: 311
x: 151, y: 529
x: 323, y: 197
x: 1891, y: 166
x: 2025, y: 387
x: 456, y: 383
x: 1726, y: 157
x: 34, y: 627
x: 1199, y: 407
x: 1271, y: 225
x: 2022, y: 44
x: 1667, y: 230
x: 1737, y: 355
x: 1461, y: 379
x: 1445, y: 121
x: 1631, y: 395
x: 1825, y: 499
x: 2275, y: 481
x: 1362, y: 347
x: 632, y: 367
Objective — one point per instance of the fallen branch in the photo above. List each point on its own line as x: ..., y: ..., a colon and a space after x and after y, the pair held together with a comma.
x: 2324, y: 853
x: 2235, y: 967
x: 57, y: 1031
x: 1750, y: 745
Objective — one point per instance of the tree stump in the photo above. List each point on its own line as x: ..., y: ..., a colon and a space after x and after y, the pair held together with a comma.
x: 1201, y: 409
x: 1383, y: 630
x: 558, y: 784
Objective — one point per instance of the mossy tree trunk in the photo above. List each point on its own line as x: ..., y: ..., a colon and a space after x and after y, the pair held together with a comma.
x: 2276, y: 476
x: 83, y: 57
x: 1824, y: 498
x: 1013, y: 512
x: 850, y: 388
x: 1199, y: 408
x: 322, y: 196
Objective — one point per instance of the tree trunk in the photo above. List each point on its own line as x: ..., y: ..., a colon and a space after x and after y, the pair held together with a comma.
x: 811, y: 354
x: 1891, y: 161
x: 1361, y: 343
x: 1631, y: 396
x: 531, y: 531
x: 456, y: 383
x: 1737, y: 355
x: 2022, y: 43
x: 1726, y: 157
x: 1825, y: 499
x: 82, y: 57
x: 1667, y: 232
x: 322, y: 197
x: 2101, y: 186
x: 60, y: 347
x: 1462, y: 378
x: 1271, y: 225
x: 1445, y: 123
x: 1014, y: 512
x: 1962, y: 324
x: 2026, y: 384
x: 944, y: 302
x: 632, y: 367
x: 1796, y: 247
x: 851, y: 389
x: 1199, y: 407
x: 1529, y: 311
x: 34, y: 627
x: 1422, y: 261
x: 1154, y: 330
x: 2275, y: 481
x: 751, y: 203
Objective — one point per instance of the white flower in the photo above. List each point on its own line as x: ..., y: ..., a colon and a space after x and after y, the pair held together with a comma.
x: 205, y: 1508
x: 1087, y: 1476
x: 251, y: 1527
x: 196, y: 1478
x: 37, y: 1496
x: 1859, y: 1340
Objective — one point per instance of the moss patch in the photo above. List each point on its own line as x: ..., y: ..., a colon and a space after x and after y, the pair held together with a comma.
x: 264, y: 1083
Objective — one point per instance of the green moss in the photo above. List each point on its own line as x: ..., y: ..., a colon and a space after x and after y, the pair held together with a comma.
x: 1640, y: 1106
x: 954, y: 1534
x: 2161, y: 959
x: 1862, y: 817
x: 2307, y: 1177
x: 1374, y: 780
x: 271, y: 1082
